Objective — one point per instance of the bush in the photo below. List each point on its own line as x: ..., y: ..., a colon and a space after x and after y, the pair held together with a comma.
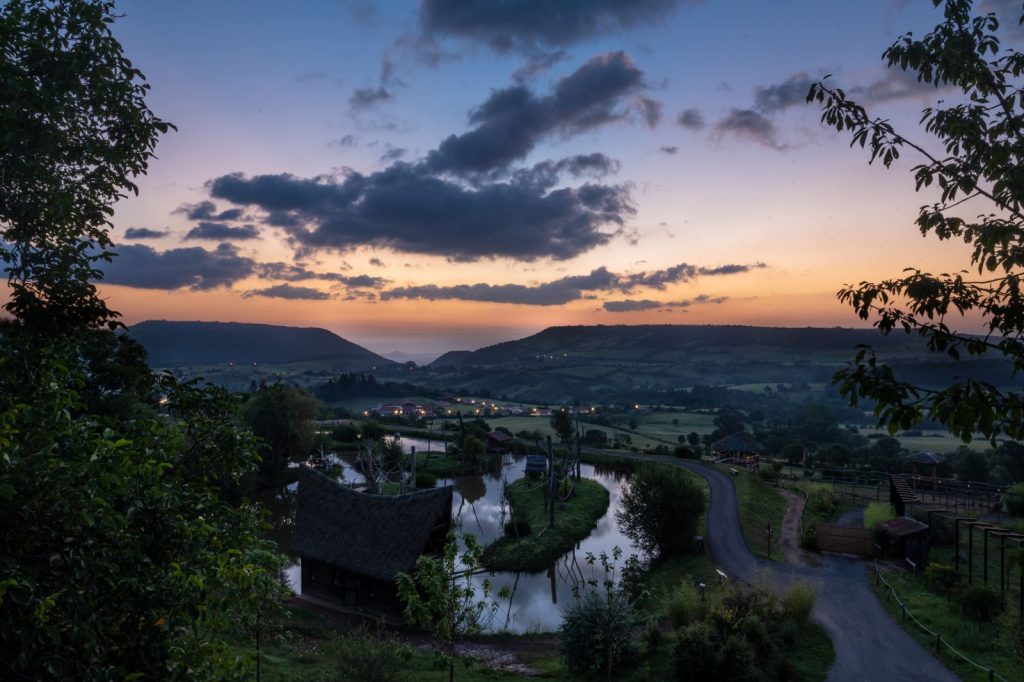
x: 942, y: 578
x: 768, y: 475
x: 685, y: 606
x: 685, y: 453
x: 1015, y: 499
x: 596, y: 632
x: 980, y: 603
x: 701, y: 654
x: 660, y: 510
x: 877, y: 513
x: 799, y: 601
x: 373, y: 657
x: 345, y: 433
x: 425, y: 479
x: 809, y: 539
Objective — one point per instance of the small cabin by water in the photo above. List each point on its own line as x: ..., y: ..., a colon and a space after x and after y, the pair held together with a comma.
x: 353, y: 544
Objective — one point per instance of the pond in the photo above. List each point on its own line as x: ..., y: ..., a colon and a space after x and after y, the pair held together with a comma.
x: 538, y: 599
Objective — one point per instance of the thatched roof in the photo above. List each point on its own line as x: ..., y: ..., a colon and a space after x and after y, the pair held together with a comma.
x: 374, y: 535
x: 924, y: 458
x: 738, y: 442
x: 498, y: 436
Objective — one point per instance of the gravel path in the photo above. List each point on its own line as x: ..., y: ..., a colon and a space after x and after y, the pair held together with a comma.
x: 869, y: 644
x: 789, y: 543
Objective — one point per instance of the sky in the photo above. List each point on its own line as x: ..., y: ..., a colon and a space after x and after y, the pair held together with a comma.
x: 446, y: 174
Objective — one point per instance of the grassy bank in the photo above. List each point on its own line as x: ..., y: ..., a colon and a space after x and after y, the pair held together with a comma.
x: 538, y: 550
x: 993, y: 645
x: 761, y: 505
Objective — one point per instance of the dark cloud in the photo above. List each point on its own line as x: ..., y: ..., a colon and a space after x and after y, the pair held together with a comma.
x: 364, y: 98
x: 572, y: 288
x: 511, y: 122
x: 220, y: 232
x: 691, y: 119
x: 537, y: 65
x: 752, y: 125
x: 207, y: 210
x: 393, y: 154
x: 144, y: 233
x: 528, y: 25
x: 895, y: 84
x: 196, y: 268
x: 630, y: 305
x: 406, y: 209
x: 669, y: 149
x: 1009, y: 14
x: 651, y: 110
x: 348, y: 141
x: 377, y: 262
x: 290, y: 292
x: 296, y: 273
x: 791, y: 92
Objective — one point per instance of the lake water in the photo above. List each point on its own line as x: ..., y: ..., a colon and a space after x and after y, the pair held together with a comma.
x: 538, y: 599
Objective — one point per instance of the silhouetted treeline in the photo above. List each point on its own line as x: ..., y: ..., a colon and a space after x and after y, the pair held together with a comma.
x: 361, y: 385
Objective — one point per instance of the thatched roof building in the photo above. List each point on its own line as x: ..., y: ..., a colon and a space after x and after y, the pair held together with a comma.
x: 352, y: 544
x: 740, y: 443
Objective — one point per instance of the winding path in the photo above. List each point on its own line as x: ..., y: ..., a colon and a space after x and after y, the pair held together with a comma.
x: 869, y: 644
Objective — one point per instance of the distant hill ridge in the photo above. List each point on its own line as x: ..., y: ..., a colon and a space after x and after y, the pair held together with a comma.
x: 177, y: 344
x: 648, y: 342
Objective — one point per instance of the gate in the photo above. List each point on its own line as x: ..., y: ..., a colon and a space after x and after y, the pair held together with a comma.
x: 844, y: 539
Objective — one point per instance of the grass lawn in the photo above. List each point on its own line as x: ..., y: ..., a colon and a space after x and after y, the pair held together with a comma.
x: 995, y: 644
x: 542, y: 547
x: 760, y: 505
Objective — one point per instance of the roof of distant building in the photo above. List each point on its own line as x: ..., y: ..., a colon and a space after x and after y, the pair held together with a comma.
x: 738, y: 442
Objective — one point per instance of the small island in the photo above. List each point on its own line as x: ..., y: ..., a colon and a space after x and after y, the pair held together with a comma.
x: 538, y: 546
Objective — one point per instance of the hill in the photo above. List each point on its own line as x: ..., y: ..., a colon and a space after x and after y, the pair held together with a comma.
x: 188, y: 344
x: 592, y: 363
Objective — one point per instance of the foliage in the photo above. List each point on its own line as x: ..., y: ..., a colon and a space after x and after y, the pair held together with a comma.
x: 979, y: 171
x: 596, y: 634
x: 76, y: 131
x: 980, y: 603
x: 799, y: 600
x: 877, y: 513
x: 661, y: 509
x: 561, y: 423
x: 1015, y: 499
x: 942, y: 577
x: 425, y: 479
x: 282, y: 417
x: 370, y: 656
x: 685, y: 605
x: 518, y: 526
x: 128, y: 550
x: 809, y: 538
x: 441, y: 597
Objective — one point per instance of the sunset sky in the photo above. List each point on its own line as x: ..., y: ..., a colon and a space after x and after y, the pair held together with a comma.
x: 425, y: 176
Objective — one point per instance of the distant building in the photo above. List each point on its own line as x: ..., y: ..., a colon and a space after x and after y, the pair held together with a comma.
x: 741, y: 448
x: 352, y: 544
x: 498, y: 441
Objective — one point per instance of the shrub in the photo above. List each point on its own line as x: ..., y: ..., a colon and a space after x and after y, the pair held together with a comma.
x: 373, y: 657
x: 877, y: 513
x: 1015, y: 499
x: 660, y: 510
x: 425, y: 479
x: 686, y: 453
x: 697, y: 653
x: 345, y: 433
x: 596, y: 632
x: 942, y: 578
x: 809, y: 539
x: 685, y: 606
x: 768, y: 475
x: 980, y: 603
x: 799, y: 601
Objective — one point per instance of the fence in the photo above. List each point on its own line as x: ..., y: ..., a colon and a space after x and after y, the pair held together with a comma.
x: 939, y: 642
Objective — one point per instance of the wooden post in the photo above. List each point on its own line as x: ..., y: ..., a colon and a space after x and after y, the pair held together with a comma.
x: 413, y: 448
x: 956, y: 551
x: 984, y: 571
x: 551, y: 483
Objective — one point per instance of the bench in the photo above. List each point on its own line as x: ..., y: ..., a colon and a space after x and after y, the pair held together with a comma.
x: 733, y: 471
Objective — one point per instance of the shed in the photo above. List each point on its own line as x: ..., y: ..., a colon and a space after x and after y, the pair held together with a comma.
x: 925, y: 459
x: 353, y: 544
x: 740, y: 445
x: 536, y: 464
x: 498, y: 441
x: 905, y: 538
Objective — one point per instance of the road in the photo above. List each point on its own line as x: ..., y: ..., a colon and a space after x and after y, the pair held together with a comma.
x: 869, y: 644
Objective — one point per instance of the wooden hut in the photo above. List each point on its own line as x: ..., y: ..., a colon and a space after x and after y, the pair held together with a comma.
x: 905, y: 538
x: 741, y: 447
x: 499, y: 441
x: 353, y: 544
x: 925, y: 459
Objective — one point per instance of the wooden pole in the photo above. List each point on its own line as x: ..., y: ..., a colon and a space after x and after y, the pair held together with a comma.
x: 413, y: 448
x: 551, y: 483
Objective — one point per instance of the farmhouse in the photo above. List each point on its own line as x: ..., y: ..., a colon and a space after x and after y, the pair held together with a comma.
x: 352, y: 544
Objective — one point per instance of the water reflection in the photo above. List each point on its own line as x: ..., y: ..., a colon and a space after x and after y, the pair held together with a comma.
x: 479, y: 507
